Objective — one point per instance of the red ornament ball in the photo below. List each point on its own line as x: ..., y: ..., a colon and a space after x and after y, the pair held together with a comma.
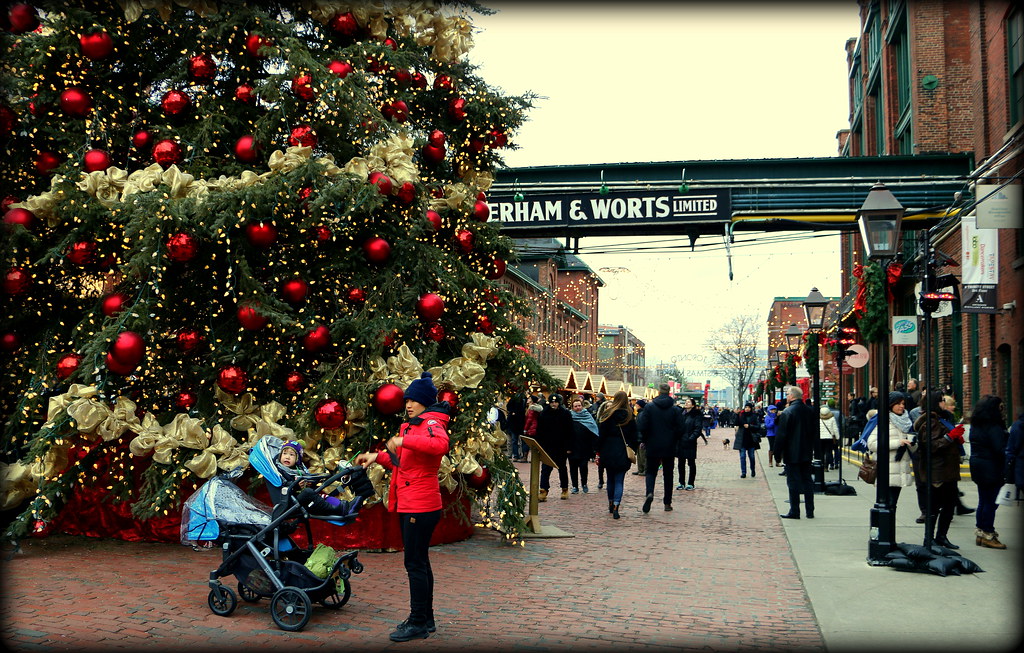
x: 302, y: 87
x: 381, y: 181
x: 260, y: 234
x: 75, y: 102
x: 167, y: 152
x: 496, y: 269
x: 67, y: 365
x: 250, y: 319
x: 9, y: 342
x: 46, y: 161
x: 24, y: 217
x: 254, y: 42
x: 403, y: 79
x: 388, y: 399
x: 113, y: 304
x: 430, y: 307
x: 188, y: 339
x: 22, y: 18
x: 232, y: 379
x: 303, y: 136
x: 448, y: 396
x: 181, y: 247
x: 435, y: 219
x: 443, y: 82
x: 344, y: 24
x: 464, y: 239
x: 96, y: 160
x: 481, y: 211
x: 434, y: 332
x: 202, y: 68
x: 245, y: 93
x: 317, y: 339
x: 407, y: 193
x: 433, y: 154
x: 184, y: 400
x: 305, y: 193
x: 477, y: 144
x: 457, y: 109
x: 485, y: 325
x: 436, y: 138
x: 294, y: 290
x: 96, y: 46
x: 498, y: 138
x: 8, y: 121
x: 330, y: 414
x: 142, y: 139
x: 480, y: 479
x: 356, y: 296
x: 340, y: 68
x: 322, y: 234
x: 391, y: 43
x: 377, y: 250
x: 128, y: 348
x: 294, y: 381
x: 82, y: 253
x: 117, y: 367
x: 247, y: 149
x: 419, y: 80
x: 16, y: 281
x: 175, y: 102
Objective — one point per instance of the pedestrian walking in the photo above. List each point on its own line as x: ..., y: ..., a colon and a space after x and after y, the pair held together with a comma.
x: 686, y: 448
x: 616, y: 431
x: 794, y: 439
x: 900, y: 447
x: 945, y: 439
x: 516, y: 408
x: 747, y: 439
x: 988, y: 465
x: 828, y: 438
x: 770, y: 415
x: 581, y: 445
x: 533, y: 409
x: 554, y: 428
x: 414, y: 457
x: 660, y: 425
x: 641, y: 452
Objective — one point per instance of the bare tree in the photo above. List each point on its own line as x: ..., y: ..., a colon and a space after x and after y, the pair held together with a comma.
x: 734, y: 346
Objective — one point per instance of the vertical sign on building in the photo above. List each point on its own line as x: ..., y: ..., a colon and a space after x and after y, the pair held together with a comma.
x: 980, y: 266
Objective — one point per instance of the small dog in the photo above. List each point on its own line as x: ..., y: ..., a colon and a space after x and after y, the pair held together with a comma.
x: 725, y: 443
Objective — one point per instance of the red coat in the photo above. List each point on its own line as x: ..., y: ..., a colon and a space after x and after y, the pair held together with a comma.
x: 414, y: 485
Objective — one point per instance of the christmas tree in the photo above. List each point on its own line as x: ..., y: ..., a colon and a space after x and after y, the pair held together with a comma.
x: 228, y: 220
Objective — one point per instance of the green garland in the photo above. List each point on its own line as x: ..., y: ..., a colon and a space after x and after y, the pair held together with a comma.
x: 811, y: 353
x: 790, y: 373
x: 872, y: 323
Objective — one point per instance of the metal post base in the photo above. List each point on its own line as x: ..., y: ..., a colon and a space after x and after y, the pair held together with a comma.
x: 882, y: 534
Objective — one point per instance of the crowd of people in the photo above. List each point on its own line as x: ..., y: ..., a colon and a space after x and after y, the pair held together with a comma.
x: 660, y: 436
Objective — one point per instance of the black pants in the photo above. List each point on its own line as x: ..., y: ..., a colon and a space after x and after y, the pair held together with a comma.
x: 417, y: 528
x: 682, y: 470
x: 667, y: 469
x: 578, y: 471
x: 945, y: 499
x: 798, y: 480
x: 563, y: 474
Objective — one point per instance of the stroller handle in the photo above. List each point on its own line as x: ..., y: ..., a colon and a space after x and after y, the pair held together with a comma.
x: 325, y: 480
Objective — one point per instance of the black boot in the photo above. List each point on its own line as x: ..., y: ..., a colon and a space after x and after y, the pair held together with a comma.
x: 794, y: 507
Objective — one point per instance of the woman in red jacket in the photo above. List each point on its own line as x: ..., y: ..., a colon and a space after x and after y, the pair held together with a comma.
x: 414, y: 457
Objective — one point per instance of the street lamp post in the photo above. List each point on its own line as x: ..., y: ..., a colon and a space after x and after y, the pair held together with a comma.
x: 780, y: 357
x: 814, y: 311
x: 879, y: 219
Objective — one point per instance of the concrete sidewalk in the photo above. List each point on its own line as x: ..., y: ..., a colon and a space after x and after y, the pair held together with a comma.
x: 859, y: 606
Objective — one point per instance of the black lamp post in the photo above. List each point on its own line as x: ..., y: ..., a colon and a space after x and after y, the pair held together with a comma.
x: 780, y: 357
x: 879, y: 219
x: 814, y: 311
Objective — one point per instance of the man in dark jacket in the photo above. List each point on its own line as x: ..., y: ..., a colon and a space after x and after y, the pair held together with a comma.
x: 661, y: 425
x: 795, y: 435
x: 516, y: 407
x: 554, y: 430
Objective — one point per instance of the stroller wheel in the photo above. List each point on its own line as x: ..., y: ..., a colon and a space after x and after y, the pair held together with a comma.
x: 222, y: 601
x: 248, y: 595
x: 290, y: 608
x: 336, y: 600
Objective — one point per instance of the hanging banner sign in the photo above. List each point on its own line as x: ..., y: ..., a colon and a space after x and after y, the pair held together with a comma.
x: 980, y: 266
x: 999, y: 208
x: 572, y: 209
x: 904, y: 330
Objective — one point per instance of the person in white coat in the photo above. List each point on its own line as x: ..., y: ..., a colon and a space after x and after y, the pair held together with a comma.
x: 901, y: 446
x: 828, y: 434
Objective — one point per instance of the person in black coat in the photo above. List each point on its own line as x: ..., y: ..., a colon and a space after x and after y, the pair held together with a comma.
x: 616, y: 429
x: 661, y: 427
x: 795, y: 436
x: 686, y: 448
x: 554, y: 429
x: 988, y: 463
x: 516, y: 408
x: 747, y: 439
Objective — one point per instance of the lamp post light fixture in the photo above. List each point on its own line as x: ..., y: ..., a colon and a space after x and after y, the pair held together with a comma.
x: 814, y: 310
x: 879, y: 219
x: 793, y: 337
x: 780, y: 357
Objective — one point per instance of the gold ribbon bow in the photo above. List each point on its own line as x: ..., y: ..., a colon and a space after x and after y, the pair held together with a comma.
x: 267, y: 423
x: 468, y: 370
x: 44, y: 204
x: 16, y: 484
x: 51, y: 464
x: 204, y: 464
x: 149, y: 433
x: 445, y: 475
x: 105, y: 185
x: 243, y: 406
x: 183, y: 431
x: 60, y: 403
x: 118, y: 420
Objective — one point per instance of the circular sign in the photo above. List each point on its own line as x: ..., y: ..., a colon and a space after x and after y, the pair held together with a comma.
x: 859, y: 357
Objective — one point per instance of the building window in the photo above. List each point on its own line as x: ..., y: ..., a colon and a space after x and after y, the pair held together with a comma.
x: 1015, y: 59
x: 903, y: 131
x: 874, y: 33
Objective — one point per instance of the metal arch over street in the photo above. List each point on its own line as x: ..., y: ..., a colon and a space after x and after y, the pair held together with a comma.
x: 715, y: 197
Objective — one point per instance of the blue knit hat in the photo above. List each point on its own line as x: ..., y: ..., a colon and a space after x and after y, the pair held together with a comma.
x: 422, y: 390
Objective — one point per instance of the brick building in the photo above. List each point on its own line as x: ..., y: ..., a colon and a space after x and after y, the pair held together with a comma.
x: 790, y: 310
x: 947, y: 76
x: 621, y: 355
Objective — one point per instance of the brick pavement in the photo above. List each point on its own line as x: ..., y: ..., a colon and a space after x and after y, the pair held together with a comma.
x: 715, y: 574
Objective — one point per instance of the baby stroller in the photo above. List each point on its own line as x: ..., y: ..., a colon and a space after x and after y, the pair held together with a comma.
x: 257, y: 549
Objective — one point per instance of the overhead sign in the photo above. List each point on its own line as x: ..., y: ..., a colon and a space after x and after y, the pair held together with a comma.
x: 999, y: 208
x: 859, y: 357
x: 594, y: 210
x: 980, y: 266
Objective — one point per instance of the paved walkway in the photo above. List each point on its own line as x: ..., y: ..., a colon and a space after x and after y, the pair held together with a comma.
x: 720, y: 572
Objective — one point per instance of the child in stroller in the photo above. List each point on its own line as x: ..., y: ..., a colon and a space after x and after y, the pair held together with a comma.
x: 293, y: 468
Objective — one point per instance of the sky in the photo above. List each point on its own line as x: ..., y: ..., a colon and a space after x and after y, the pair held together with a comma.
x: 625, y: 82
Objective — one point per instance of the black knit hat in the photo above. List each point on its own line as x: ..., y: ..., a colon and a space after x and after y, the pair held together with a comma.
x: 896, y: 397
x: 423, y: 390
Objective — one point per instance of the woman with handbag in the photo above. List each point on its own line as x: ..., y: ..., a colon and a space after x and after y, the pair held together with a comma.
x: 900, y: 446
x: 988, y: 463
x: 617, y: 443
